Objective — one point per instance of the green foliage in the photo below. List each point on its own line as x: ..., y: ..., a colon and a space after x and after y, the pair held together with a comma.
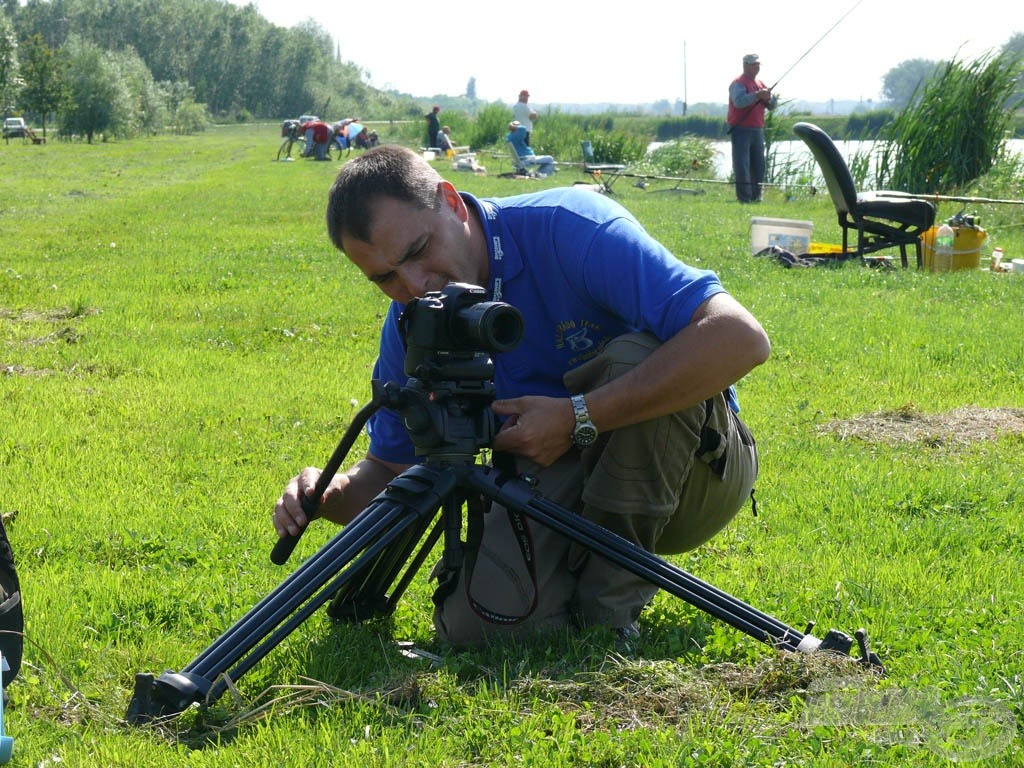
x: 689, y: 156
x: 45, y: 72
x: 147, y: 111
x: 490, y: 127
x: 904, y: 82
x: 98, y: 97
x: 618, y: 147
x: 952, y: 134
x: 190, y: 118
x: 865, y: 125
x: 10, y: 76
x: 233, y: 59
x: 712, y: 128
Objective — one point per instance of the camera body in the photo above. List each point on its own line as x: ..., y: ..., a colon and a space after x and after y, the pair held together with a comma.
x: 449, y: 336
x: 447, y: 331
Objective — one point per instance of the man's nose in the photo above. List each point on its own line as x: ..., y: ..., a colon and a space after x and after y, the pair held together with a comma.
x: 416, y: 283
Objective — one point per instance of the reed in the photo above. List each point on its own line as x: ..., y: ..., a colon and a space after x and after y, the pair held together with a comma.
x: 953, y: 133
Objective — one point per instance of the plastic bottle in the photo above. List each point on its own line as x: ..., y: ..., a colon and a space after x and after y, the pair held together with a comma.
x: 944, y: 248
x: 997, y: 260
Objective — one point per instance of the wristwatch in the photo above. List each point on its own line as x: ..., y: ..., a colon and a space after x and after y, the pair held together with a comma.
x: 584, y: 433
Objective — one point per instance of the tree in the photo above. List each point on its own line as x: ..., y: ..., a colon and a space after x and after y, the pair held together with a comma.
x: 98, y: 98
x: 236, y: 61
x: 907, y: 78
x: 44, y: 71
x: 471, y: 89
x: 148, y: 105
x: 10, y: 77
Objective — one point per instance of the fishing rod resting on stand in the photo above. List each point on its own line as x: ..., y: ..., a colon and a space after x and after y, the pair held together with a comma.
x: 364, y: 569
x: 950, y: 198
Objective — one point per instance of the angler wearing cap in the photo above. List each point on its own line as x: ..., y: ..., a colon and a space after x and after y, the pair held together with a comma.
x: 524, y: 114
x: 433, y: 127
x: 749, y: 97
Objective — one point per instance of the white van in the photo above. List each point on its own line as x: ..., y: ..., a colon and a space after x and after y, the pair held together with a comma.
x: 14, y: 127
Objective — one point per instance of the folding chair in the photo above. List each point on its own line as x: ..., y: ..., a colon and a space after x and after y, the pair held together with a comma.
x: 880, y: 222
x: 534, y: 166
x: 597, y: 170
x: 519, y: 164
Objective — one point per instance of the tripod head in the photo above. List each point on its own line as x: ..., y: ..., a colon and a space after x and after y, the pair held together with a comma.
x: 445, y: 405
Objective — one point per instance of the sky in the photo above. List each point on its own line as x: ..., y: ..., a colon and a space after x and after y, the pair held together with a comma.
x: 594, y: 51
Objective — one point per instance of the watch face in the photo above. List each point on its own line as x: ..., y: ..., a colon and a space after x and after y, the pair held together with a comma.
x: 584, y: 435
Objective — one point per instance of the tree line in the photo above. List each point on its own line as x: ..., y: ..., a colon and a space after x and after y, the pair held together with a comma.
x: 127, y: 67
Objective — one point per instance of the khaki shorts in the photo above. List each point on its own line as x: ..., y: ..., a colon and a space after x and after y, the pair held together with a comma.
x: 667, y: 485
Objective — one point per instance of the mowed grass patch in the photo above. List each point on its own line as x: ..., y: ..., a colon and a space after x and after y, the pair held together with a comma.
x: 178, y: 338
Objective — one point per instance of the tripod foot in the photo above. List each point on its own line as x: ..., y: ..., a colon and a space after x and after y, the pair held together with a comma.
x: 867, y: 657
x: 168, y: 695
x: 841, y: 644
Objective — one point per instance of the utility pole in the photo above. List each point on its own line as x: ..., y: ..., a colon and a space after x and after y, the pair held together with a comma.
x: 685, y: 100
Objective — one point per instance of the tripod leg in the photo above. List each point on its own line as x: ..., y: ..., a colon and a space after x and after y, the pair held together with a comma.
x: 516, y: 494
x: 371, y: 536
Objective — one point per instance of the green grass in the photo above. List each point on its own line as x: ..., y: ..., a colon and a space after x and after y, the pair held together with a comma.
x: 178, y: 338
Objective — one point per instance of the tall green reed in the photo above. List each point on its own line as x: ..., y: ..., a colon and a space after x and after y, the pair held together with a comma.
x: 953, y: 133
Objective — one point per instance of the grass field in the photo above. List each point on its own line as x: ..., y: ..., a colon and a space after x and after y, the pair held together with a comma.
x: 178, y: 338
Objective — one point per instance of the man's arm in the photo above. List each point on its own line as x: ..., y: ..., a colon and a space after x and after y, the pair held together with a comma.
x: 347, y: 495
x: 740, y: 96
x: 721, y: 344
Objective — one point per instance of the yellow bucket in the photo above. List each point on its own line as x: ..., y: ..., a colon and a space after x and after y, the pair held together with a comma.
x: 967, y: 245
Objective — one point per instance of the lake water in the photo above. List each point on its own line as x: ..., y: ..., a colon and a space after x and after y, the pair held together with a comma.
x: 796, y: 154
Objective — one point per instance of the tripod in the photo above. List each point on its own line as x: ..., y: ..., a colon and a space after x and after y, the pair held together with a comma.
x: 365, y: 569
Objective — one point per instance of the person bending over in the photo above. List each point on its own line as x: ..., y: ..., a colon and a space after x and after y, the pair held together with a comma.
x: 619, y: 399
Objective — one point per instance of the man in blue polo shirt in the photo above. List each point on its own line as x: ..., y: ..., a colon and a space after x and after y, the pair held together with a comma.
x: 619, y: 398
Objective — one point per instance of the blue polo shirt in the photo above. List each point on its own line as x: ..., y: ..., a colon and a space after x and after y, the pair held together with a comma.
x: 581, y: 270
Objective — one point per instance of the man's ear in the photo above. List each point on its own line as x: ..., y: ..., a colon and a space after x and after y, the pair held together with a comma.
x: 450, y: 198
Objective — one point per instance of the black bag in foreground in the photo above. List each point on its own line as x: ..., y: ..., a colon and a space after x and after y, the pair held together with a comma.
x: 12, y: 620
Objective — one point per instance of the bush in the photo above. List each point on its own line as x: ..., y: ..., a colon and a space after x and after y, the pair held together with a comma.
x: 687, y: 156
x: 619, y: 147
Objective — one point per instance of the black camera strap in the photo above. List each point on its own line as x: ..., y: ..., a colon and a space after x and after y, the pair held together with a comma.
x: 506, y: 463
x: 521, y: 531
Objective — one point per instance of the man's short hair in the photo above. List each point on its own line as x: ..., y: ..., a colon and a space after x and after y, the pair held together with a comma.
x: 385, y: 171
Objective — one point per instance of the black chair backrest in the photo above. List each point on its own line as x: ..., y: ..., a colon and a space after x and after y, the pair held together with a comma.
x: 837, y: 174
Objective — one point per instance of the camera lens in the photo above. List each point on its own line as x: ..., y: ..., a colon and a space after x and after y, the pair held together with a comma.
x: 493, y: 325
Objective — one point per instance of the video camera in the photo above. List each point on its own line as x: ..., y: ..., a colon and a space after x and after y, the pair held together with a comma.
x: 449, y: 335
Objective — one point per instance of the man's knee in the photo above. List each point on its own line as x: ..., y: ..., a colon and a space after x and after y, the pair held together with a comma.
x: 714, y: 492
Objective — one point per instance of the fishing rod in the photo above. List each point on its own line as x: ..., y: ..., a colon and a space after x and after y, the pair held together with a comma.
x: 815, y: 44
x: 649, y: 176
x: 950, y: 198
